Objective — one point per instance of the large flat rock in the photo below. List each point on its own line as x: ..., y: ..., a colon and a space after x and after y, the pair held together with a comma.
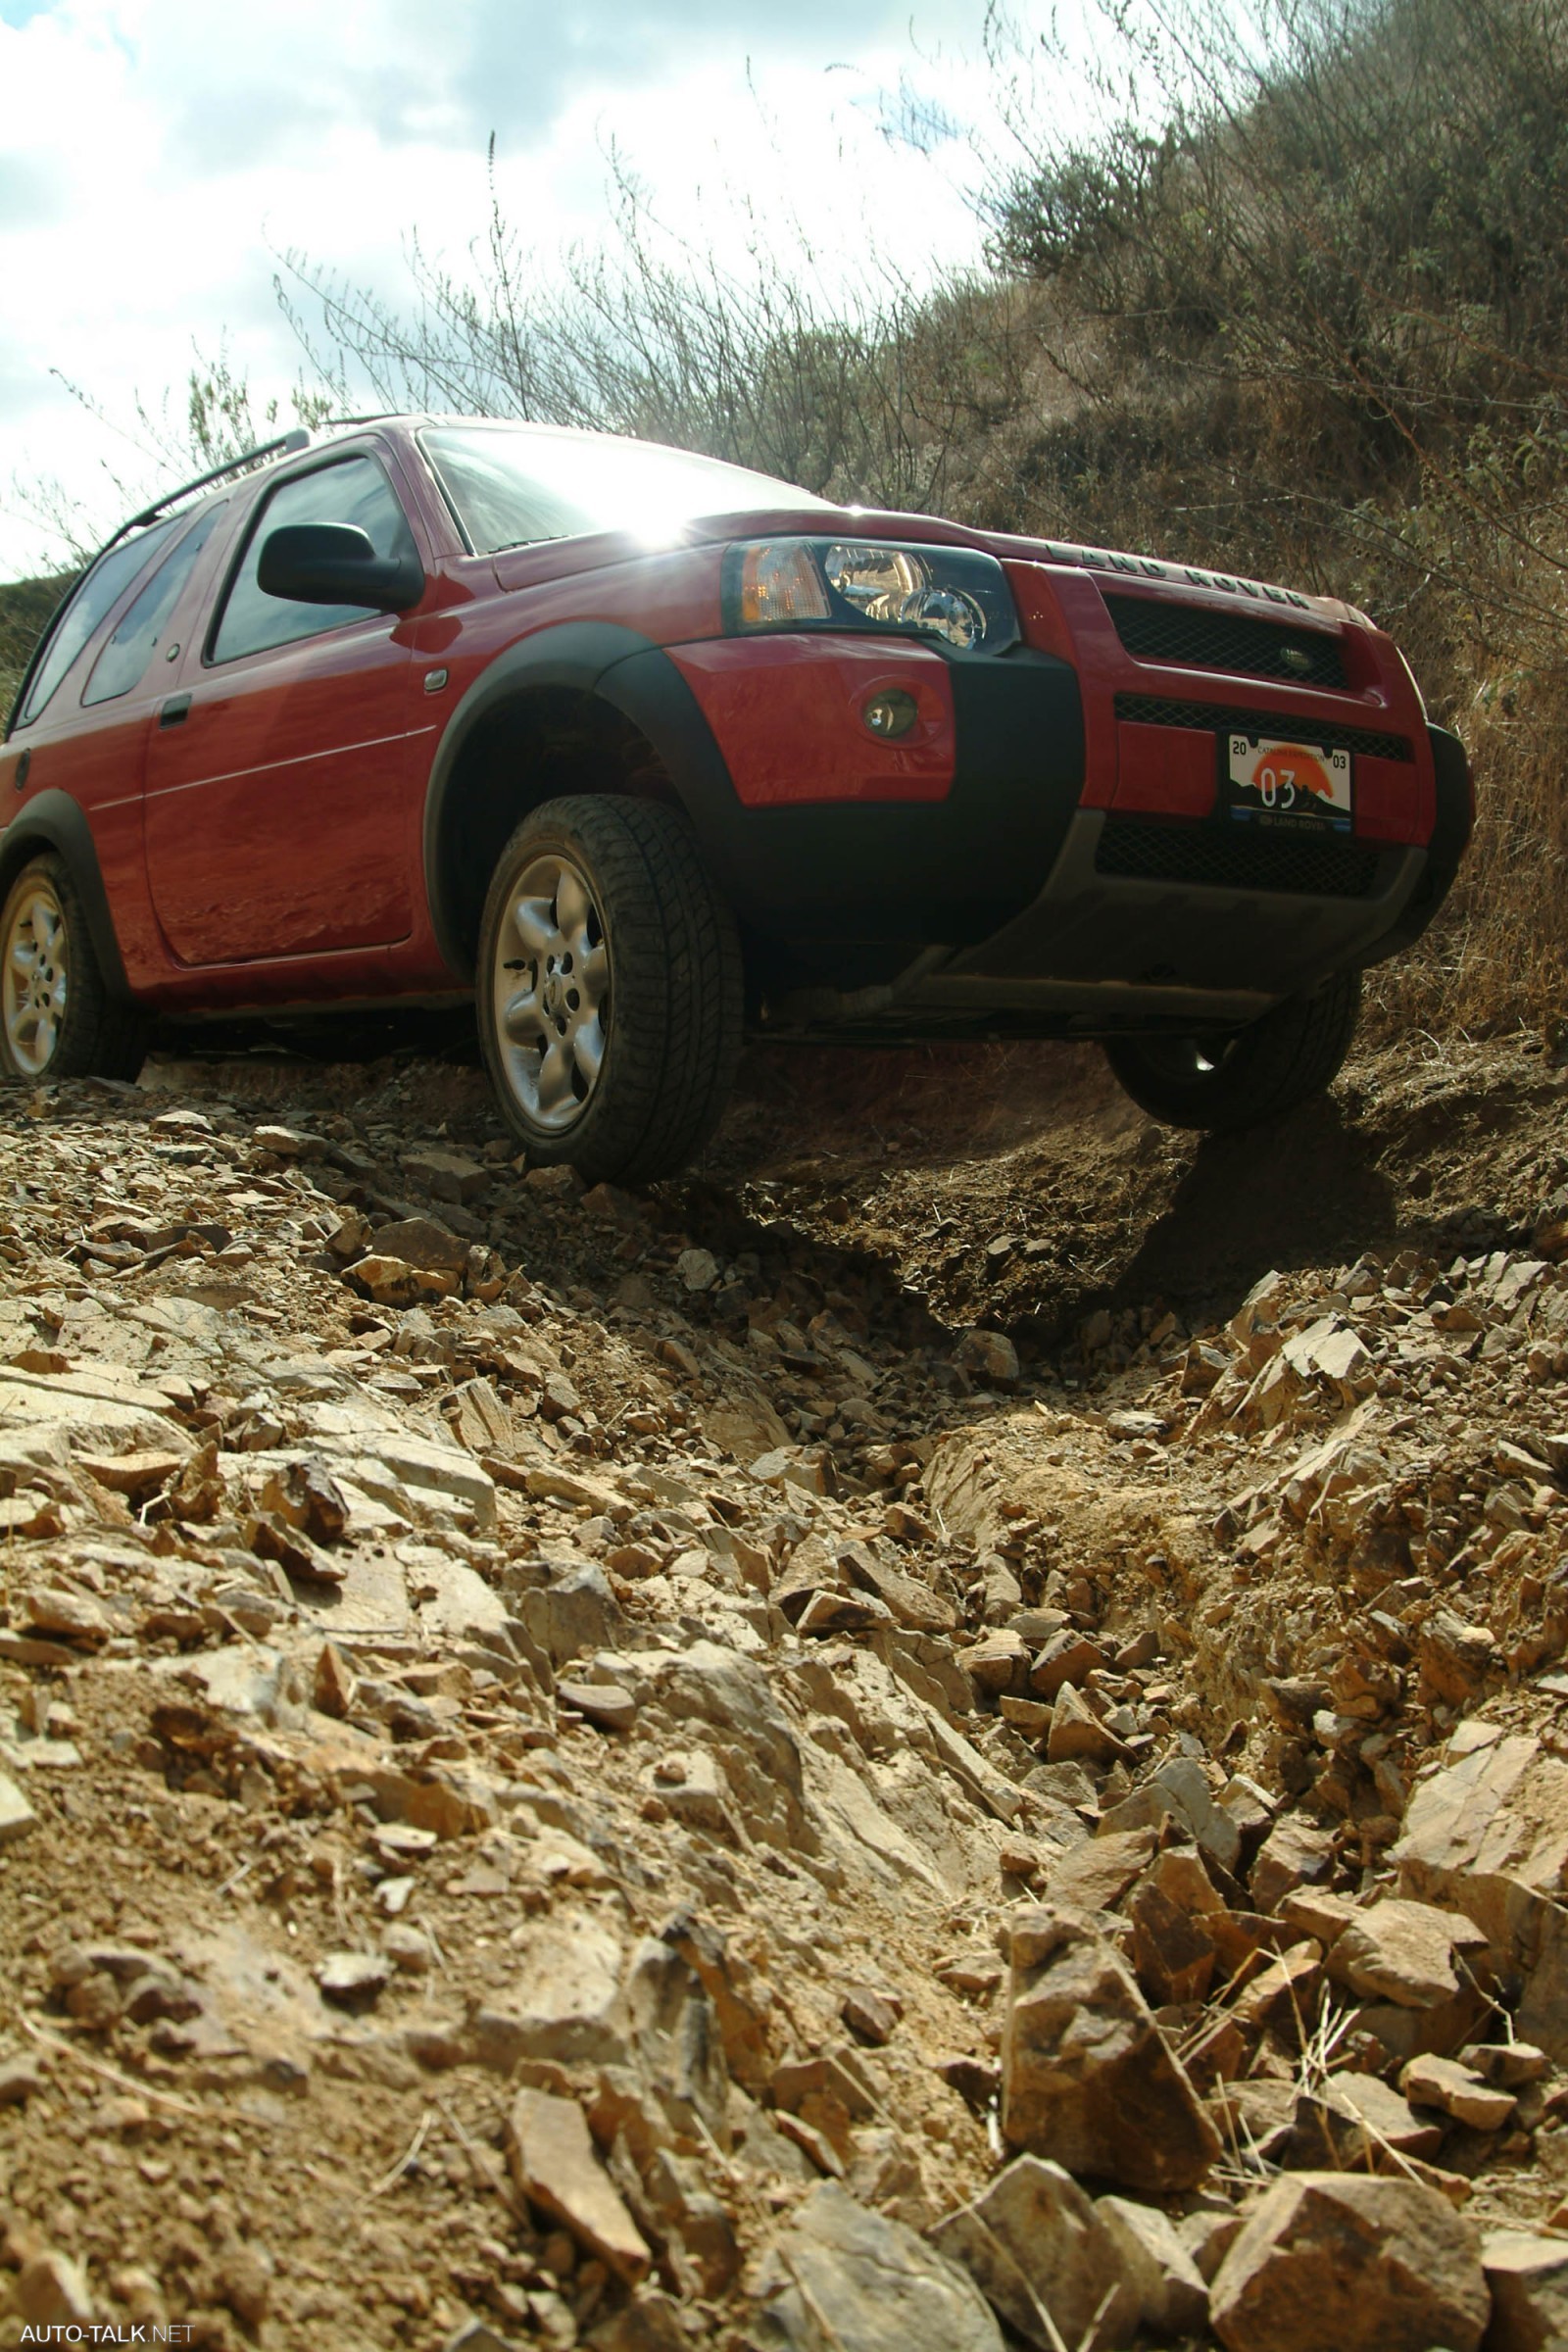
x: 80, y: 1409
x: 843, y: 2279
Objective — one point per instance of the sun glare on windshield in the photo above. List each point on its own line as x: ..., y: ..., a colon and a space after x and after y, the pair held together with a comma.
x: 516, y: 486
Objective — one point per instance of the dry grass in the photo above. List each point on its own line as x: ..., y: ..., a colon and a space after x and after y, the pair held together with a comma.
x: 1317, y: 327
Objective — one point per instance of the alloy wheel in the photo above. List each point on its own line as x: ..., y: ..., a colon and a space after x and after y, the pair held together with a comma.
x: 550, y: 983
x: 35, y: 978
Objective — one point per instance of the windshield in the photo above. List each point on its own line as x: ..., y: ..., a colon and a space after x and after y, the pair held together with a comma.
x: 509, y: 486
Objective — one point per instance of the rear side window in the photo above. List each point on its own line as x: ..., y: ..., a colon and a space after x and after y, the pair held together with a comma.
x: 354, y: 491
x: 104, y: 584
x: 122, y: 664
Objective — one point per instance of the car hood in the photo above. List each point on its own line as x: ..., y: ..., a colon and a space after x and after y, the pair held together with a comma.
x: 521, y: 566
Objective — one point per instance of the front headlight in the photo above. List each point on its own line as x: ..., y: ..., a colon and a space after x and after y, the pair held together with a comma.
x: 954, y: 594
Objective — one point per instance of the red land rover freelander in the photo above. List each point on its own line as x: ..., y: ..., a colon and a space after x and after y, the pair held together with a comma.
x: 643, y: 752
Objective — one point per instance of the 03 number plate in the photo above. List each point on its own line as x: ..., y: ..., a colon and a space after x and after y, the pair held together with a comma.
x: 1272, y: 782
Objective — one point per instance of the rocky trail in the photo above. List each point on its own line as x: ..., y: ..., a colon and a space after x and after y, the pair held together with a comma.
x: 953, y: 1734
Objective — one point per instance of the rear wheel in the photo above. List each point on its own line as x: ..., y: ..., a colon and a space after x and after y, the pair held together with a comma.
x: 1224, y: 1082
x: 56, y: 1017
x: 609, y: 988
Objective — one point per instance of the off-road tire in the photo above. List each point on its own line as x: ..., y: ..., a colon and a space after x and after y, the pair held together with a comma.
x: 672, y: 999
x: 96, y: 1033
x: 1228, y: 1083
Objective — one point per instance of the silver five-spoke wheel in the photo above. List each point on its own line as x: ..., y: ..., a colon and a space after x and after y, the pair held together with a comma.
x: 35, y: 977
x: 609, y: 988
x: 551, y: 980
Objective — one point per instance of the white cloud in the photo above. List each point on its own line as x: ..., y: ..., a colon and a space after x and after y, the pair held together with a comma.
x: 160, y: 155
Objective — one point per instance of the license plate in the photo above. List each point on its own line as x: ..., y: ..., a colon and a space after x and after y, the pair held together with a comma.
x: 1292, y: 785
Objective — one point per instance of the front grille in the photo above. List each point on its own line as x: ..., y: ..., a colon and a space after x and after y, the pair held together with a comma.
x: 1151, y: 711
x: 1220, y: 860
x: 1154, y: 632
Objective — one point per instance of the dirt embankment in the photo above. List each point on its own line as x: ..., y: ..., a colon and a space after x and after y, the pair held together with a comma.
x: 672, y: 1771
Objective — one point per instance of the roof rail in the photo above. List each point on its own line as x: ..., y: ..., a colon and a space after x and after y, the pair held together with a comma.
x: 298, y: 437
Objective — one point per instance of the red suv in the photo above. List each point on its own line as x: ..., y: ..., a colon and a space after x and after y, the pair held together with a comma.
x: 643, y: 752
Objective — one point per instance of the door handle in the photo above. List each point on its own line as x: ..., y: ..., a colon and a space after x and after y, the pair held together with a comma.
x: 171, y: 714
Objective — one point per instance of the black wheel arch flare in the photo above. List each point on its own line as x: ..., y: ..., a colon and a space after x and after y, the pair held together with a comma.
x: 55, y: 821
x: 1453, y: 823
x: 577, y: 657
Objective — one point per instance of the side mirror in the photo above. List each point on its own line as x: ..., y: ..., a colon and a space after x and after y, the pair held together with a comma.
x: 334, y: 564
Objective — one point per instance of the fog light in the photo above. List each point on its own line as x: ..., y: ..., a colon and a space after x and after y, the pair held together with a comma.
x: 890, y: 714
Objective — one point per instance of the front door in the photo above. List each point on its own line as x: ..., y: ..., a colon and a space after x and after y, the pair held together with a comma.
x: 280, y: 808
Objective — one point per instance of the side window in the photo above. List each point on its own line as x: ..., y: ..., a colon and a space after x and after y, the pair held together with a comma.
x: 355, y: 491
x: 122, y: 664
x: 101, y: 588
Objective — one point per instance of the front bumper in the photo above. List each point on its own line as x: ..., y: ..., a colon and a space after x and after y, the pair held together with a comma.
x: 1018, y: 899
x: 812, y: 846
x: 1097, y: 952
x: 1138, y: 928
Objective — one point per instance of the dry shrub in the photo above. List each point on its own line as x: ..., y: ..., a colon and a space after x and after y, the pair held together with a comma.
x: 1498, y: 953
x: 873, y: 391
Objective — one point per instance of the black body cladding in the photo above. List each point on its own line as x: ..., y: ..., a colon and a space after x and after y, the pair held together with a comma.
x: 885, y: 872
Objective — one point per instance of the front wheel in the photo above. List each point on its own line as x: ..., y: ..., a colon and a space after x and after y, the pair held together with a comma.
x: 1227, y: 1082
x: 609, y: 988
x: 56, y: 1017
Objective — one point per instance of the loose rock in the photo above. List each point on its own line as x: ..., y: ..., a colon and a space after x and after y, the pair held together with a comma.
x: 1364, y: 2265
x: 554, y: 2166
x: 1038, y: 2250
x: 842, y: 2278
x: 1528, y: 2281
x: 1086, y: 2072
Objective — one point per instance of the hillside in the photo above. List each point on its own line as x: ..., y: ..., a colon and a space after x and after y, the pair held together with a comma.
x: 1314, y: 328
x: 25, y: 608
x: 1292, y: 303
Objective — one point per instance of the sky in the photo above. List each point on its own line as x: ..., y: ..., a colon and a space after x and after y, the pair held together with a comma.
x: 159, y: 156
